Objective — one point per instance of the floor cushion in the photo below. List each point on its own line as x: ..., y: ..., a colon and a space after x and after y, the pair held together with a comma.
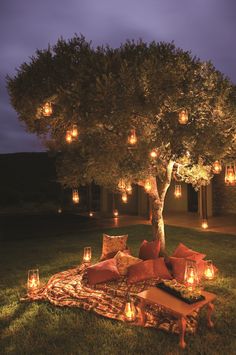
x: 160, y: 269
x: 124, y: 260
x: 182, y: 251
x: 141, y: 271
x: 102, y: 272
x: 149, y: 250
x: 112, y: 244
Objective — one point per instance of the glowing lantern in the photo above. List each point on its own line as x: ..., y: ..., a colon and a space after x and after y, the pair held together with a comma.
x: 33, y: 280
x: 216, y: 167
x: 121, y: 184
x: 132, y: 139
x: 183, y: 117
x: 204, y: 224
x: 68, y: 137
x: 47, y: 109
x: 59, y: 210
x: 90, y: 214
x: 230, y: 174
x: 209, y: 272
x: 178, y: 191
x: 191, y: 275
x: 87, y: 255
x: 115, y: 213
x: 129, y: 188
x: 130, y: 311
x: 153, y: 154
x: 147, y: 185
x: 74, y: 131
x: 75, y: 196
x: 124, y: 197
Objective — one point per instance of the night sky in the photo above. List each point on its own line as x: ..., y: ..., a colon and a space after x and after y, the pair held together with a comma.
x: 206, y: 27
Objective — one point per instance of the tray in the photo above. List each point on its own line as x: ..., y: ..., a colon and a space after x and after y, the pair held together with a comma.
x: 178, y: 295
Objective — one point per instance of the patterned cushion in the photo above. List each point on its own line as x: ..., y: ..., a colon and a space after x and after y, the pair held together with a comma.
x: 149, y: 250
x: 103, y: 271
x: 184, y: 252
x: 113, y: 244
x: 124, y: 260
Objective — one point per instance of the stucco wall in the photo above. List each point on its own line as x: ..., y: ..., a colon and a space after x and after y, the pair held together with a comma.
x: 224, y: 197
x: 176, y: 204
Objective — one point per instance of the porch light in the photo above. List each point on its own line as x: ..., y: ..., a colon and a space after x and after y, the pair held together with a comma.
x: 183, y: 117
x: 47, y: 109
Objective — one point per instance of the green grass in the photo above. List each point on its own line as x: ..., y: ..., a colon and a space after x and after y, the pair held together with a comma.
x: 41, y: 328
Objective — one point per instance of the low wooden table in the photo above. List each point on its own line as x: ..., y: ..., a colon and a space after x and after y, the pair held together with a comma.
x: 176, y: 307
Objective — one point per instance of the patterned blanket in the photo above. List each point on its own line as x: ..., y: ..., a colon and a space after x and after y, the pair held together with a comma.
x: 70, y: 288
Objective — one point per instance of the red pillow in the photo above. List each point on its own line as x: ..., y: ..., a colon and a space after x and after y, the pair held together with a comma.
x: 141, y: 271
x: 160, y: 269
x: 112, y: 254
x: 103, y: 271
x: 184, y: 252
x: 149, y: 250
x: 178, y: 268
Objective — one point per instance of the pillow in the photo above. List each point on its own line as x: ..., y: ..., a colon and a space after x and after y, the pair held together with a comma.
x: 113, y: 254
x: 149, y: 250
x: 124, y: 260
x: 103, y: 271
x: 184, y: 252
x: 160, y: 269
x: 178, y: 268
x: 141, y: 271
x: 113, y: 244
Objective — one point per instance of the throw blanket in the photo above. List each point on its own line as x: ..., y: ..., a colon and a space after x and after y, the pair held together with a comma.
x: 70, y: 288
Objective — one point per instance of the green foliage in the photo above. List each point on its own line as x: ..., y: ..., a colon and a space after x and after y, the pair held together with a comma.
x: 107, y: 92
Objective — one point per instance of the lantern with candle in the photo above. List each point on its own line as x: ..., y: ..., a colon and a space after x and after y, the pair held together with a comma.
x: 191, y: 275
x: 124, y: 197
x: 153, y: 154
x: 47, y: 109
x: 216, y: 167
x: 87, y: 255
x: 128, y: 188
x: 68, y: 137
x: 75, y: 196
x: 178, y: 191
x: 147, y: 185
x: 183, y: 117
x: 130, y: 312
x: 209, y: 272
x: 115, y: 213
x: 74, y: 131
x: 33, y: 280
x: 230, y: 174
x: 204, y: 224
x: 132, y: 138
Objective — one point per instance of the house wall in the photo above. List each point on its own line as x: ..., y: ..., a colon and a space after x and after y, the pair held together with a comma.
x: 173, y: 204
x: 224, y: 197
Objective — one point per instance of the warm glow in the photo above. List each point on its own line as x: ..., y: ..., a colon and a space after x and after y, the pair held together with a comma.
x: 121, y: 184
x: 87, y: 255
x: 191, y: 276
x: 47, y: 109
x: 178, y: 191
x: 183, y: 117
x: 90, y: 214
x: 216, y: 167
x: 129, y: 188
x: 130, y: 311
x: 132, y: 139
x: 74, y: 131
x: 153, y: 154
x: 209, y: 270
x: 204, y: 224
x: 230, y: 174
x: 115, y: 213
x: 148, y: 185
x: 68, y: 137
x: 33, y: 280
x: 124, y: 197
x: 59, y: 210
x: 75, y: 196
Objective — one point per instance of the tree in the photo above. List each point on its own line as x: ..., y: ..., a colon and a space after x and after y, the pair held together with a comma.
x: 108, y: 93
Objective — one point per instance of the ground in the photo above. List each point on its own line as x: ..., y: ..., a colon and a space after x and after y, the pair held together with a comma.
x: 55, y: 243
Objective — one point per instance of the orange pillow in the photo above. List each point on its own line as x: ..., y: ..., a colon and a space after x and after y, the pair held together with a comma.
x: 178, y: 268
x: 102, y: 272
x: 141, y: 271
x: 184, y: 252
x: 149, y: 250
x: 160, y: 269
x: 112, y: 244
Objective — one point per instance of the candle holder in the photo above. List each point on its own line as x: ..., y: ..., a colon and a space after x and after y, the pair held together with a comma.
x: 191, y: 275
x: 87, y: 255
x: 130, y: 311
x: 209, y: 272
x: 33, y: 282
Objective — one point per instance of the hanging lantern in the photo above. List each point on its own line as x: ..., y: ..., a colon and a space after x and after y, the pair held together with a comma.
x: 74, y: 131
x: 75, y: 196
x: 87, y: 255
x: 121, y: 184
x: 230, y: 174
x: 68, y: 136
x: 216, y: 167
x: 209, y: 272
x: 147, y: 185
x: 132, y: 139
x: 204, y: 224
x: 115, y: 213
x: 183, y: 117
x: 191, y: 275
x: 130, y: 312
x: 129, y: 188
x: 90, y: 214
x: 47, y: 109
x: 124, y: 197
x: 33, y: 280
x: 59, y: 210
x: 153, y: 154
x: 178, y: 191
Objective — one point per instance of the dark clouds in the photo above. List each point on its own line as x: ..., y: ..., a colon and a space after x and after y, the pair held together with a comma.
x: 206, y: 27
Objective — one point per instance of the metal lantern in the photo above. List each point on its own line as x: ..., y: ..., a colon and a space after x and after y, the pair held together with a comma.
x: 183, y: 117
x: 216, y: 167
x: 147, y: 185
x: 204, y: 223
x: 191, y: 275
x: 209, y: 272
x: 130, y: 312
x: 178, y: 191
x: 87, y: 255
x: 121, y: 184
x: 129, y: 188
x: 124, y: 197
x: 132, y: 138
x: 68, y: 136
x: 74, y: 131
x: 75, y: 196
x: 115, y: 213
x: 33, y: 282
x: 47, y: 109
x: 153, y: 154
x: 230, y: 174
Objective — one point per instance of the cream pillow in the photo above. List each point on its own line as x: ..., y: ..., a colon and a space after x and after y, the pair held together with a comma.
x: 123, y: 261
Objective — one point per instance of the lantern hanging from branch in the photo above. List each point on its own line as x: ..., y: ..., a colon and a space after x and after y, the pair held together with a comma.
x: 87, y: 255
x: 90, y: 214
x: 216, y: 167
x: 129, y: 188
x: 47, y: 109
x: 153, y: 154
x: 75, y: 196
x: 204, y: 223
x: 68, y: 136
x: 147, y: 185
x: 191, y: 275
x: 121, y: 184
x: 74, y: 131
x: 230, y: 174
x: 33, y: 280
x: 178, y: 191
x: 132, y: 138
x: 130, y: 312
x: 183, y: 117
x: 124, y: 197
x: 115, y: 213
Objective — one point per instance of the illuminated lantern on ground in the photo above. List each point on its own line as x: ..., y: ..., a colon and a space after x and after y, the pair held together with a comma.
x: 74, y: 131
x: 47, y: 109
x: 33, y: 280
x: 209, y: 272
x: 216, y: 167
x: 204, y: 224
x: 191, y: 275
x: 124, y: 197
x: 178, y: 191
x: 183, y: 117
x: 147, y: 185
x: 115, y: 213
x: 132, y: 139
x: 130, y: 312
x: 87, y: 255
x: 230, y: 174
x: 75, y: 196
x: 153, y: 154
x: 68, y: 137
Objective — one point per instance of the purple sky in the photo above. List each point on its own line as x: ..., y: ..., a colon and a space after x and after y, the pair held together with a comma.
x: 206, y: 27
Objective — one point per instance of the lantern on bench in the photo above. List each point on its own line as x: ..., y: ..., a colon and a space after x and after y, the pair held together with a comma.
x: 87, y: 255
x: 191, y: 275
x: 130, y: 312
x: 33, y: 280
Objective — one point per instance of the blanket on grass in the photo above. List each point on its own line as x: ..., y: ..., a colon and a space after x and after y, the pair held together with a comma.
x: 70, y: 288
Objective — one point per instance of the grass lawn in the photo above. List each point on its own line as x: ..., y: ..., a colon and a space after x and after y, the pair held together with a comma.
x: 41, y: 328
